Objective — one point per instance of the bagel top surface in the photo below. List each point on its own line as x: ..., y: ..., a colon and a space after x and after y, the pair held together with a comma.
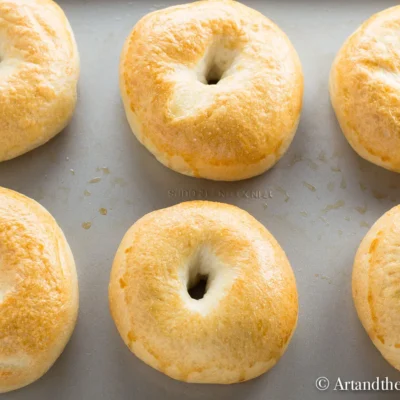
x: 242, y: 325
x: 234, y: 129
x: 39, y: 68
x: 38, y: 290
x: 376, y: 285
x: 365, y: 89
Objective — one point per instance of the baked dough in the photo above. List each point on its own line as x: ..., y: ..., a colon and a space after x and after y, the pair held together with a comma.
x: 376, y: 285
x: 244, y: 322
x: 365, y: 89
x: 232, y: 130
x: 38, y: 291
x: 39, y: 68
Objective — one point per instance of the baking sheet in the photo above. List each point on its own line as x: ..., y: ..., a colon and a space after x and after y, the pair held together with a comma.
x: 318, y: 201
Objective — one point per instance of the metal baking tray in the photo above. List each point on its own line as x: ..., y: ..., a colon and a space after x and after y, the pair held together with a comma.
x: 318, y: 201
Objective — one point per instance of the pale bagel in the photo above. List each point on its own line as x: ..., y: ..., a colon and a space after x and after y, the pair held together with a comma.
x: 376, y: 285
x: 39, y: 68
x: 232, y: 130
x: 365, y: 89
x: 38, y: 291
x: 244, y: 322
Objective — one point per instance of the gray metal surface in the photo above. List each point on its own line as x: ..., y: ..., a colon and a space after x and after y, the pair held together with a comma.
x: 319, y: 201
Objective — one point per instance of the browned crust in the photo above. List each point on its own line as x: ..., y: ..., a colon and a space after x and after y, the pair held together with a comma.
x: 245, y: 327
x: 376, y: 285
x: 365, y: 89
x: 247, y: 121
x: 38, y: 291
x: 38, y: 72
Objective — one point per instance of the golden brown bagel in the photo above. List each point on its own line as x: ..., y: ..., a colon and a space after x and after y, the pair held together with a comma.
x: 39, y: 68
x: 232, y: 130
x: 365, y: 89
x: 376, y: 285
x: 244, y: 322
x: 38, y: 291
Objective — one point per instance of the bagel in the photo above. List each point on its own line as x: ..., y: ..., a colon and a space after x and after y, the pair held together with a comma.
x: 39, y: 68
x: 376, y: 288
x: 213, y: 89
x: 365, y: 89
x: 243, y: 323
x: 38, y: 291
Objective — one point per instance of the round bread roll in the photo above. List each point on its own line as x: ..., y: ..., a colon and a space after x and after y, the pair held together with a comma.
x: 376, y: 285
x: 38, y: 291
x: 365, y: 89
x: 39, y: 68
x: 243, y: 323
x: 213, y: 89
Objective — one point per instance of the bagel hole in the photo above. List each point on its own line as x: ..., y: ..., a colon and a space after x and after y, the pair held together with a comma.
x: 214, y: 75
x: 198, y: 290
x: 217, y: 62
